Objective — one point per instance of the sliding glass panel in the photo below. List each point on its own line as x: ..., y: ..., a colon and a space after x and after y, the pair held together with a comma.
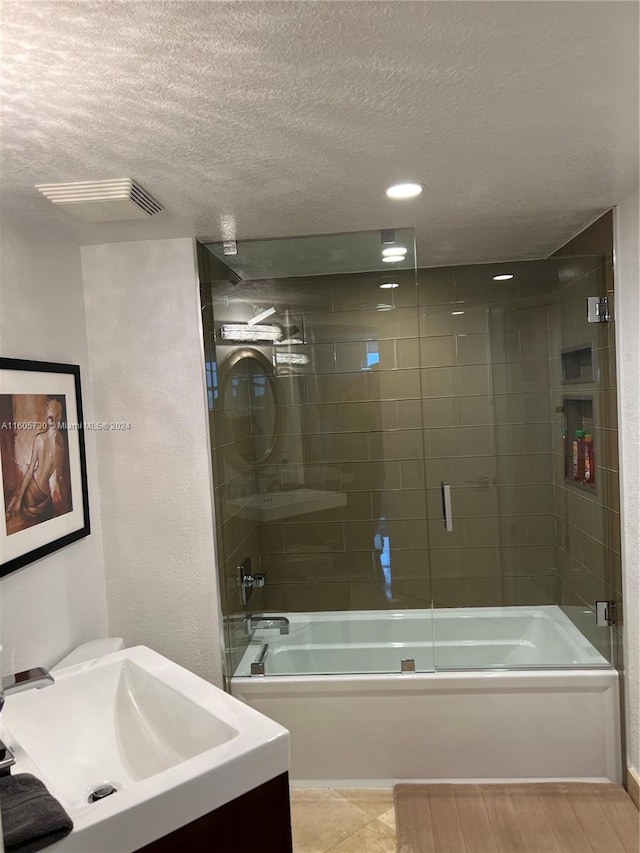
x: 318, y: 453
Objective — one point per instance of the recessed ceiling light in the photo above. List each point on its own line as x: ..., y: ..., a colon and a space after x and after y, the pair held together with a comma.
x: 382, y: 306
x: 389, y: 285
x: 456, y: 313
x: 394, y: 250
x: 407, y: 190
x: 504, y: 277
x: 393, y: 259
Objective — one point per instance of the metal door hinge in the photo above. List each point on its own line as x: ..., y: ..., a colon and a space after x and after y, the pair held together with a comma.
x: 599, y: 310
x: 605, y: 614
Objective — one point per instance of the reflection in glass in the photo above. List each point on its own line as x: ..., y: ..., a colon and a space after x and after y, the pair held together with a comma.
x: 251, y: 405
x: 374, y: 384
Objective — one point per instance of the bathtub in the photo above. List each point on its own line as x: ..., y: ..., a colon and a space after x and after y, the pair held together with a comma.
x: 497, y: 693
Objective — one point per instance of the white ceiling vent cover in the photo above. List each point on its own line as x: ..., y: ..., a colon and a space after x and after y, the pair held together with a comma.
x: 102, y: 201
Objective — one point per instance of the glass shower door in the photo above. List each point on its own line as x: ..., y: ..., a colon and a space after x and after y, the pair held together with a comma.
x: 584, y: 405
x: 464, y: 470
x: 329, y: 519
x: 497, y: 412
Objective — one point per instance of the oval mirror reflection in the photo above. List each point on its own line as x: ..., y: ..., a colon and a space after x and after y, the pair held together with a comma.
x: 250, y: 402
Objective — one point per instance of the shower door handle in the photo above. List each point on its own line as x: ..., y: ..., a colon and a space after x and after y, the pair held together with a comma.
x: 447, y: 515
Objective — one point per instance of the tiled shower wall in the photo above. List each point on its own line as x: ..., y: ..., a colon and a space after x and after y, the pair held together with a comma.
x: 461, y: 397
x: 588, y: 551
x: 388, y: 401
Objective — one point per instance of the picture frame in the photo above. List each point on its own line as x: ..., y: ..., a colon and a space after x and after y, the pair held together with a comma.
x: 43, y: 469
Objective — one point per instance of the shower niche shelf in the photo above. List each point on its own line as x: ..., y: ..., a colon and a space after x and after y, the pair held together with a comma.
x: 579, y: 443
x: 577, y: 364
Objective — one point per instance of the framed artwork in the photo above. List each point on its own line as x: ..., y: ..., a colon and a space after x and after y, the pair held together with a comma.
x: 42, y: 461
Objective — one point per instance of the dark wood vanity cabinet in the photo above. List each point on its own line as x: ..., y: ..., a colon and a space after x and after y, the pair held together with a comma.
x: 258, y: 820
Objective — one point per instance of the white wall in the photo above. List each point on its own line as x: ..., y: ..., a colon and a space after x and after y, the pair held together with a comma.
x: 628, y: 345
x: 50, y: 606
x: 145, y: 352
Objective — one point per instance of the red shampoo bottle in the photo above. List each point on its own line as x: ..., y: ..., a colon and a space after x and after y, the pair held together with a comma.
x: 589, y: 474
x: 577, y: 471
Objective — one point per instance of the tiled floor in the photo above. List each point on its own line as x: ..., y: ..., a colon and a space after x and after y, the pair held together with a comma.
x: 349, y: 820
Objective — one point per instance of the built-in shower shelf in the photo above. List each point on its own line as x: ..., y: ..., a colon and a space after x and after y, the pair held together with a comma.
x: 579, y: 434
x: 577, y: 364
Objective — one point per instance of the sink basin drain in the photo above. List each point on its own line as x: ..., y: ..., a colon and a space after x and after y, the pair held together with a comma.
x: 101, y: 792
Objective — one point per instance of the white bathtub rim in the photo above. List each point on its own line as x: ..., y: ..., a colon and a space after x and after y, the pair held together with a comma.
x: 539, y: 611
x: 447, y: 681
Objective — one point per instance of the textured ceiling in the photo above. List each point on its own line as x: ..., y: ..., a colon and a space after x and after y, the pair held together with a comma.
x: 285, y: 118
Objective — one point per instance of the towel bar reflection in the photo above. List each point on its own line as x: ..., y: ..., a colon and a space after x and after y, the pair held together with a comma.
x: 257, y: 667
x: 447, y: 515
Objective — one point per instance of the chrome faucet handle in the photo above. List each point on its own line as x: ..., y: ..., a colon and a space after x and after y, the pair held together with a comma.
x: 7, y: 759
x: 16, y: 683
x: 29, y: 679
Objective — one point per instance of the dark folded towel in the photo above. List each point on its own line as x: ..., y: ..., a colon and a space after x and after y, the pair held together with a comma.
x: 31, y: 818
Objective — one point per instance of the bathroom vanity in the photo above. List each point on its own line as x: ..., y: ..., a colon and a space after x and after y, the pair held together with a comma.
x: 184, y: 764
x: 260, y: 817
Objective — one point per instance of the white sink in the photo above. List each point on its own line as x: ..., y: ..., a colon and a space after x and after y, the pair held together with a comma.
x: 272, y: 506
x: 174, y: 746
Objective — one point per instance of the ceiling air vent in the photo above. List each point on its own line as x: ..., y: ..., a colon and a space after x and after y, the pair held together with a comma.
x: 102, y: 201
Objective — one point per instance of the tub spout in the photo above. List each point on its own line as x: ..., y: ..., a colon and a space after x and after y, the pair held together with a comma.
x: 280, y: 622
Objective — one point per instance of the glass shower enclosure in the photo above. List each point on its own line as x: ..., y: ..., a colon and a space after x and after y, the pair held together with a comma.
x: 414, y: 468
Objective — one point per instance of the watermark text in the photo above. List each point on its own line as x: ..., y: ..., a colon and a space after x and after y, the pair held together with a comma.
x: 85, y: 425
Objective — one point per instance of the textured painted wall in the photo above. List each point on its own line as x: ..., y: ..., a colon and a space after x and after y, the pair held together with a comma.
x: 52, y: 605
x: 145, y: 350
x: 628, y: 332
